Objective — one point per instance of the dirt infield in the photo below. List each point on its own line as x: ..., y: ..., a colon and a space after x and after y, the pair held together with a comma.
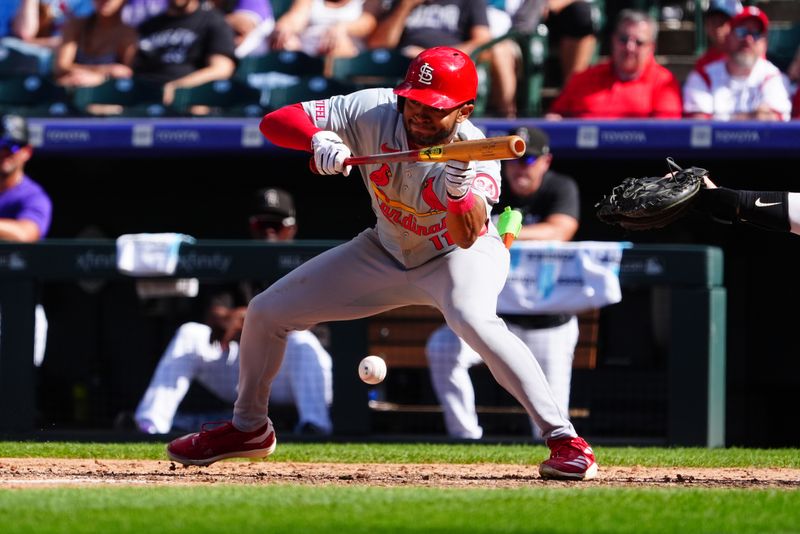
x: 43, y: 472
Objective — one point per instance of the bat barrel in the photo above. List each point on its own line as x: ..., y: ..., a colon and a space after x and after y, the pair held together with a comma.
x: 517, y: 145
x: 491, y: 148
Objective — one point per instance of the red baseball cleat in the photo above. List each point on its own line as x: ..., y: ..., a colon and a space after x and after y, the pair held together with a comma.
x: 223, y: 441
x: 570, y: 459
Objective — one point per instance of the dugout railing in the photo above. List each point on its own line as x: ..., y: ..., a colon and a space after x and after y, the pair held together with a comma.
x: 688, y: 276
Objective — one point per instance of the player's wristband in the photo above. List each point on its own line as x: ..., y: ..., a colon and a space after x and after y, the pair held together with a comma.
x: 721, y: 203
x: 460, y: 206
x: 766, y: 209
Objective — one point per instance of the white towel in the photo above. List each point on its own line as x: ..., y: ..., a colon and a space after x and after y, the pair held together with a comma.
x: 557, y: 277
x: 149, y: 254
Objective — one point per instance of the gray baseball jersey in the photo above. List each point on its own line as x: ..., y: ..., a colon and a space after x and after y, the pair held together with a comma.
x: 409, y: 199
x: 407, y: 259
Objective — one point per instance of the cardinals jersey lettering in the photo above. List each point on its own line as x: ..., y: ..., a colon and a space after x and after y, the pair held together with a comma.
x: 409, y: 199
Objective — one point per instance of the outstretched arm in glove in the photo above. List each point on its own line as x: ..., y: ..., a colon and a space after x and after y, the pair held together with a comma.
x: 644, y: 203
x: 654, y: 202
x: 771, y: 210
x: 466, y: 212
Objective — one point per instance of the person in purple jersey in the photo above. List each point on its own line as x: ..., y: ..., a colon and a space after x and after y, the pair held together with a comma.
x: 245, y: 16
x: 25, y: 207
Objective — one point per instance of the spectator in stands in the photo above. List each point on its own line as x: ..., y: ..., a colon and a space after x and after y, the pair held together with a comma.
x: 743, y: 85
x: 334, y: 28
x: 186, y: 46
x: 25, y: 207
x: 37, y: 24
x: 631, y: 84
x: 550, y: 204
x: 40, y: 21
x: 717, y: 26
x: 504, y: 57
x: 572, y: 33
x: 96, y: 47
x: 246, y: 17
x: 414, y: 25
x: 208, y: 352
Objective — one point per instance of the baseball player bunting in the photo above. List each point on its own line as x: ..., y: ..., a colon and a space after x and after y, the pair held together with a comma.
x: 432, y: 244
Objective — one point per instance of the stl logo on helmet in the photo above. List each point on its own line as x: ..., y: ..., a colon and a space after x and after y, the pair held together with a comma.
x: 426, y: 74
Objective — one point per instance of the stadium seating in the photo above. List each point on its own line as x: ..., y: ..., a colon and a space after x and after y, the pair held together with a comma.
x: 306, y: 88
x: 279, y: 7
x: 33, y: 95
x: 124, y: 96
x: 286, y: 62
x: 529, y: 87
x: 381, y: 67
x: 14, y: 62
x: 782, y: 44
x: 219, y: 98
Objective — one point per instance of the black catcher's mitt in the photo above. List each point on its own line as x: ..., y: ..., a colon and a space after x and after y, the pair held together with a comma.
x: 654, y: 201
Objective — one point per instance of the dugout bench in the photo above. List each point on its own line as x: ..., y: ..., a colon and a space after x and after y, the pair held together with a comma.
x: 691, y: 274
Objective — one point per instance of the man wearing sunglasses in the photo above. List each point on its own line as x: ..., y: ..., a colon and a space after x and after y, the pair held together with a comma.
x: 743, y: 85
x: 25, y: 208
x: 717, y: 26
x: 631, y: 84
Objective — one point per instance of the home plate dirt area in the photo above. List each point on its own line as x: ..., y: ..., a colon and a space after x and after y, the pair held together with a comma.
x: 44, y: 472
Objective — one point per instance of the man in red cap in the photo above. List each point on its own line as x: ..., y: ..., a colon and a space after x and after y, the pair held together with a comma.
x: 743, y: 85
x: 717, y: 26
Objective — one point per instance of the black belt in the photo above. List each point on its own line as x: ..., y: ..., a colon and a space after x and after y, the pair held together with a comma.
x: 538, y: 321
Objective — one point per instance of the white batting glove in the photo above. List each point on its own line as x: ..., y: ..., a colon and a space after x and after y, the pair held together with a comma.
x: 330, y: 153
x: 459, y: 176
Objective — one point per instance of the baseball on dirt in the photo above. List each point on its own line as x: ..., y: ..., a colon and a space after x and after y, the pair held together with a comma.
x: 372, y: 370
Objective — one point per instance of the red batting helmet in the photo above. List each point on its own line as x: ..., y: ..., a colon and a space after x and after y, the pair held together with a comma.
x: 440, y: 77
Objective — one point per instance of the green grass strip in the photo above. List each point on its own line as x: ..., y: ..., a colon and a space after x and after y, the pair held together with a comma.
x: 430, y: 453
x: 295, y: 509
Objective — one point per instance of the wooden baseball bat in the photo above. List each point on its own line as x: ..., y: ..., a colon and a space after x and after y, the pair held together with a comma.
x: 504, y: 147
